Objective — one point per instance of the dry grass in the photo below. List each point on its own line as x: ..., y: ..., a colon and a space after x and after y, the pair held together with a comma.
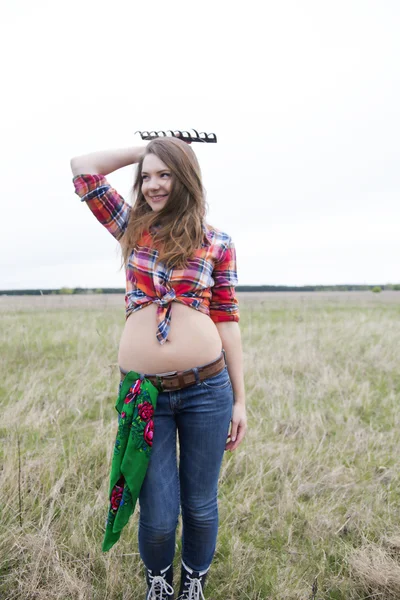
x: 309, y: 504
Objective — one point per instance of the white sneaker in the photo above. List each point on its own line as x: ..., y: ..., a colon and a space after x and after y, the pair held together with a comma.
x: 159, y: 584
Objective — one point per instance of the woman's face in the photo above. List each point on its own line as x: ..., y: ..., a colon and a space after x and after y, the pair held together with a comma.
x: 157, y: 182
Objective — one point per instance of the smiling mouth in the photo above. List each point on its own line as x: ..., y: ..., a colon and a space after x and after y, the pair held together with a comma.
x: 158, y: 197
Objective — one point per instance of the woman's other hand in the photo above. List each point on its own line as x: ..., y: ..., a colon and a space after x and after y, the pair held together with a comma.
x: 238, y: 426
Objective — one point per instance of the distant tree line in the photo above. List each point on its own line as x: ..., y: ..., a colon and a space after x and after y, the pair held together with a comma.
x: 240, y: 288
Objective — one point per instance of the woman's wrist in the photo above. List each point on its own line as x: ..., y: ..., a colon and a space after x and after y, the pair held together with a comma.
x: 240, y: 400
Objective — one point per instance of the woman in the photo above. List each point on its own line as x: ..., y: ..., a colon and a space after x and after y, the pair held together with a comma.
x: 182, y: 369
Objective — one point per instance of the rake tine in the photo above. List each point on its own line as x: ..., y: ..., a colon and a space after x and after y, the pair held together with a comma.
x: 211, y: 139
x: 180, y: 135
x: 188, y: 137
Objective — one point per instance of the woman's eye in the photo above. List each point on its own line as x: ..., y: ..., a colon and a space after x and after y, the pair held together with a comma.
x: 162, y: 175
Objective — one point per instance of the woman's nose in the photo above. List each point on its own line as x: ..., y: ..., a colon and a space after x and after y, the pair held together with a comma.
x: 153, y: 184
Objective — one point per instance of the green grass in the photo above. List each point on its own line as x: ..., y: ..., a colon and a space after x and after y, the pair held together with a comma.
x: 311, y: 497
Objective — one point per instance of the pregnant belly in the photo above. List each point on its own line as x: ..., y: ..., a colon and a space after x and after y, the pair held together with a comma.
x: 193, y: 341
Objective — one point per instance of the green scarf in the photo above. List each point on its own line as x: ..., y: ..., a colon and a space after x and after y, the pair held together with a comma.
x: 135, y: 405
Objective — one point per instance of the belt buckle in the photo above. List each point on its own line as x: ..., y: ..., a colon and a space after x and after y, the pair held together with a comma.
x: 158, y: 376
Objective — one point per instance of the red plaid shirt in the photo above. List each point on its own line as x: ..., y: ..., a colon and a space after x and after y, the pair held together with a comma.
x: 207, y: 284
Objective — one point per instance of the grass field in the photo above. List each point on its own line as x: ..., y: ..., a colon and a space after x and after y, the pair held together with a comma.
x: 309, y: 503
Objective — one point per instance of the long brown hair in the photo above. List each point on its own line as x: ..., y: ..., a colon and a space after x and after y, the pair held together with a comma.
x: 179, y: 230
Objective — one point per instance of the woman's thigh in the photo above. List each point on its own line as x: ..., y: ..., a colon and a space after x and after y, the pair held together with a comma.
x: 203, y: 423
x: 159, y: 496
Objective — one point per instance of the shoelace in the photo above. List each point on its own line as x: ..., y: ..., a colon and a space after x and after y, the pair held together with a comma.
x: 158, y: 587
x: 194, y: 591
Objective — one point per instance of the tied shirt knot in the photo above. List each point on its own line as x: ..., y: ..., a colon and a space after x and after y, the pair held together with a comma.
x: 164, y: 315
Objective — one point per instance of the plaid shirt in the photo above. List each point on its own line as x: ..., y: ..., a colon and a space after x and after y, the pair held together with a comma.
x: 207, y: 284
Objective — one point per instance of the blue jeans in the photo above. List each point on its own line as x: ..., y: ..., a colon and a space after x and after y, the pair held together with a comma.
x: 201, y: 415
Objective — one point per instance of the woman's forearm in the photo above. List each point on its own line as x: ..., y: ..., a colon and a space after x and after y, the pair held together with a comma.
x: 231, y: 342
x: 106, y: 161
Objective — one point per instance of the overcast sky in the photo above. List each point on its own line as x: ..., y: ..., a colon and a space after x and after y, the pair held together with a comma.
x: 304, y: 97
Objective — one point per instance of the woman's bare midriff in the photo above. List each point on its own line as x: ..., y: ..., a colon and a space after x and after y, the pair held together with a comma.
x: 193, y: 341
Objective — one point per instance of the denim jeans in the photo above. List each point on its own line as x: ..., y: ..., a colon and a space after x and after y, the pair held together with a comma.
x: 200, y: 414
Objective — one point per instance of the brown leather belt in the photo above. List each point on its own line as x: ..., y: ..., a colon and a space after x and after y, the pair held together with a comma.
x: 177, y: 380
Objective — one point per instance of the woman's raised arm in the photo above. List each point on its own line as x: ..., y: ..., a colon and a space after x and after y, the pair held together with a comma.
x: 106, y: 161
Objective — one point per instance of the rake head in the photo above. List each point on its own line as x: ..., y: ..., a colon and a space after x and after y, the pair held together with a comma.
x: 209, y: 138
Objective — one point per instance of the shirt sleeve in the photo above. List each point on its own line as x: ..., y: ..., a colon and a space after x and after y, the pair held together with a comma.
x: 109, y: 208
x: 224, y: 305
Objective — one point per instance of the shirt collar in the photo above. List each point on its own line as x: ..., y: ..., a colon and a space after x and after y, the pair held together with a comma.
x: 154, y: 227
x: 207, y: 236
